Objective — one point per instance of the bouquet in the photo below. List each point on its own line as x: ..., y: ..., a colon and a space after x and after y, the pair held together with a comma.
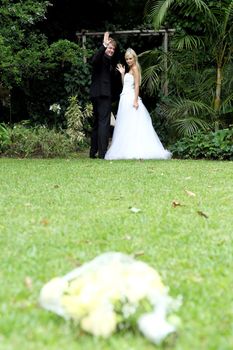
x: 113, y: 292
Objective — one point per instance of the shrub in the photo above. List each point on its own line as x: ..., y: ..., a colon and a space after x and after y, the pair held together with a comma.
x: 77, y: 121
x: 37, y: 142
x: 205, y: 145
x: 4, y: 137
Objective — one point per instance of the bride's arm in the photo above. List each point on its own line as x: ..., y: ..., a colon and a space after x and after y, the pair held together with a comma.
x: 136, y: 86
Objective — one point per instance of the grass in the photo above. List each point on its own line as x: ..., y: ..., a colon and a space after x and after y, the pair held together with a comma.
x: 57, y: 214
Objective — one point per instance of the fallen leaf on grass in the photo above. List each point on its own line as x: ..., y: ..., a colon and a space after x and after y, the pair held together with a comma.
x: 74, y: 261
x: 197, y: 279
x: 44, y: 222
x: 191, y: 194
x: 138, y: 253
x: 85, y: 241
x: 28, y: 282
x: 118, y: 198
x: 222, y: 241
x: 176, y: 204
x: 134, y: 210
x: 201, y: 213
x: 127, y: 238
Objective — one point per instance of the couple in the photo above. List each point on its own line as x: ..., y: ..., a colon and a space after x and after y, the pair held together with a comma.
x: 134, y: 136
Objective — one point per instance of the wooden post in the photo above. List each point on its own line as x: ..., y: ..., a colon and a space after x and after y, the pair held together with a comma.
x: 10, y: 109
x: 84, y: 39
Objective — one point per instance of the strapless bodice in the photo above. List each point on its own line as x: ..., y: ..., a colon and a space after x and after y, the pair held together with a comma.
x: 128, y: 83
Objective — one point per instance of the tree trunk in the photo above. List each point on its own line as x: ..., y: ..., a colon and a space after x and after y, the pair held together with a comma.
x: 217, y: 99
x: 165, y: 48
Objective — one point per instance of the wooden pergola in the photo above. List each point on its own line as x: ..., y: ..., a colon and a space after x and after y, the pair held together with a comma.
x: 145, y: 32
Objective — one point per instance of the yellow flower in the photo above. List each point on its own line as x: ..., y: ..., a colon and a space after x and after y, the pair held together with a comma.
x: 74, y: 307
x: 100, y: 322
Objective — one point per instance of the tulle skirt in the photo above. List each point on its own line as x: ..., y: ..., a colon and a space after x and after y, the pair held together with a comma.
x: 134, y: 136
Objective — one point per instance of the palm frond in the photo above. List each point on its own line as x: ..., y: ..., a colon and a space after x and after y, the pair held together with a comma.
x: 194, y: 6
x: 151, y: 79
x: 227, y: 104
x: 150, y: 57
x: 190, y: 125
x: 223, y: 11
x: 228, y: 19
x: 185, y: 41
x: 228, y: 78
x: 156, y: 10
x: 185, y: 107
x: 200, y: 85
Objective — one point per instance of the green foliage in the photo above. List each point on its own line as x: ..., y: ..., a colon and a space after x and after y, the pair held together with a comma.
x: 187, y: 116
x: 18, y: 40
x: 63, y: 51
x: 60, y: 71
x: 32, y: 68
x: 5, y: 139
x: 184, y: 14
x: 199, y: 63
x: 25, y: 12
x: 65, y: 74
x: 152, y: 63
x: 24, y: 141
x: 209, y: 145
x: 76, y: 119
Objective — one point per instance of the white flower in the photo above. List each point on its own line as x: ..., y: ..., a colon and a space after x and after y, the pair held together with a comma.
x: 135, y: 210
x: 128, y: 310
x: 154, y: 325
x: 56, y: 108
x: 50, y: 295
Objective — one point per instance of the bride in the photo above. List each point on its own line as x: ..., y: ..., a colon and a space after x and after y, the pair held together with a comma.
x: 134, y: 136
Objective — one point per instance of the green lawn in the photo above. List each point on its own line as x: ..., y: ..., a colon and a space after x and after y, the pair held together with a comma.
x: 57, y: 214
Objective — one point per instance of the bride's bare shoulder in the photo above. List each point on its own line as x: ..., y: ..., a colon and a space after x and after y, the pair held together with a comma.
x: 134, y: 69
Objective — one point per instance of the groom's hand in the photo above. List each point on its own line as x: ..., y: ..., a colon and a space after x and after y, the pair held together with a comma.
x: 106, y: 39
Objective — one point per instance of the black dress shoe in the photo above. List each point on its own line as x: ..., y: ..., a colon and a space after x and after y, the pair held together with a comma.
x: 101, y: 156
x: 93, y: 156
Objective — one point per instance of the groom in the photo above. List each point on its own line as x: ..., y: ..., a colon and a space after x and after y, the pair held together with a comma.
x: 101, y: 95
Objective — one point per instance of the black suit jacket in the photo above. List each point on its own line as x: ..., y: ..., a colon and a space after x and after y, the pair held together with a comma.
x: 102, y: 74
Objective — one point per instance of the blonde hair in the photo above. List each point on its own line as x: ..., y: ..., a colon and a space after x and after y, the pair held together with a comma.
x: 112, y: 41
x: 131, y: 52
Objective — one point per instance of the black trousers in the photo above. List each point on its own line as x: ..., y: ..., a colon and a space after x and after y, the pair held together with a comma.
x: 101, y: 126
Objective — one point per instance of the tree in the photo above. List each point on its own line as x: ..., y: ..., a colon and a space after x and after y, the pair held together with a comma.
x: 211, y: 44
x: 20, y: 42
x: 35, y: 72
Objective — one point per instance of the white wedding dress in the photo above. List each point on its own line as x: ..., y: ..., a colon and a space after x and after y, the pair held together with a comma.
x: 134, y: 136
